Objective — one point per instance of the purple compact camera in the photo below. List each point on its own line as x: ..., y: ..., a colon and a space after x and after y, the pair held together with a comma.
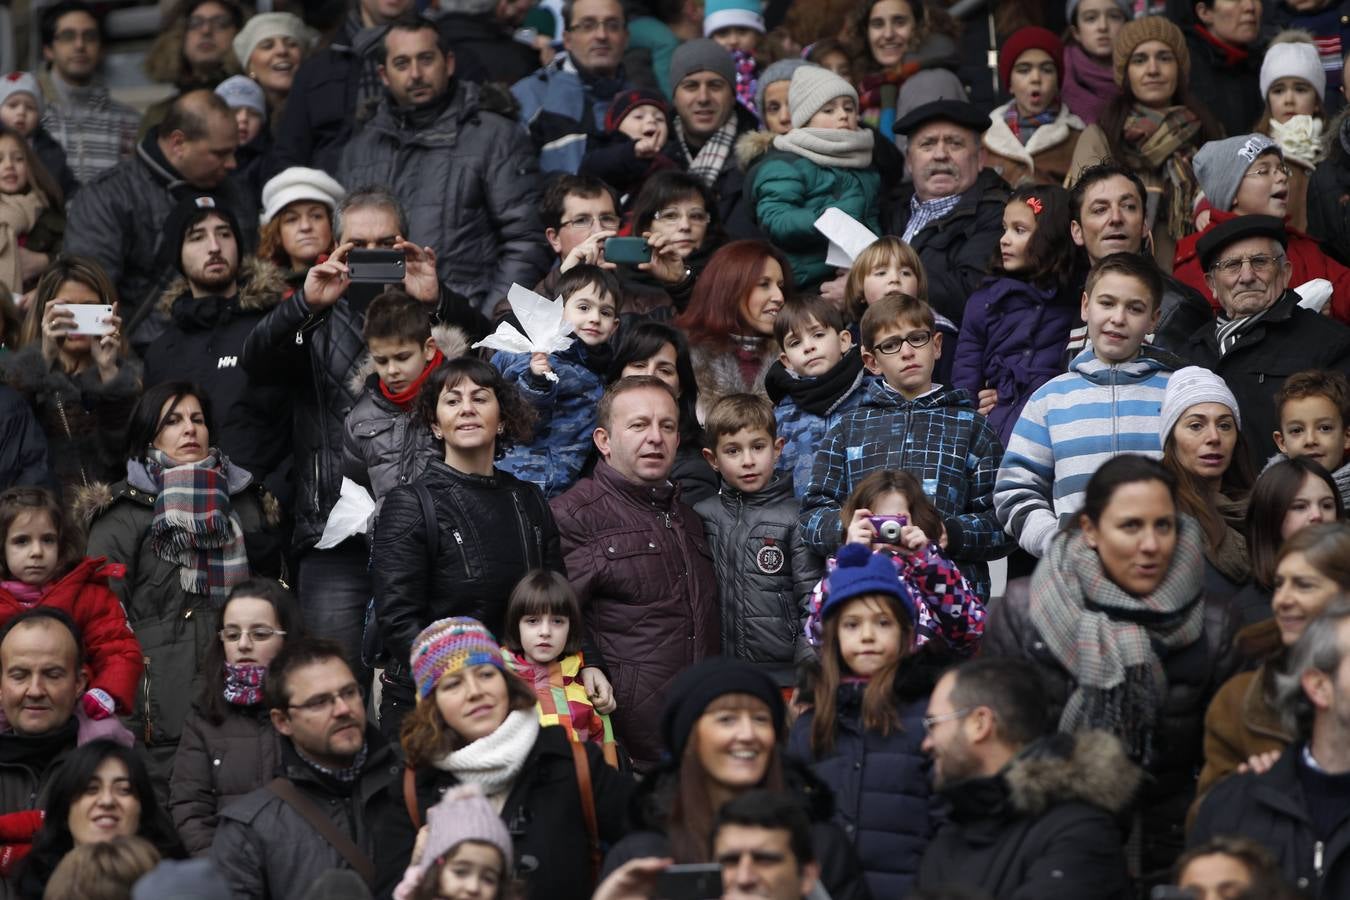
x: 888, y: 527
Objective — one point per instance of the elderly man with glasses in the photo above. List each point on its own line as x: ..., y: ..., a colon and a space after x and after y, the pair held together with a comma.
x: 1262, y: 335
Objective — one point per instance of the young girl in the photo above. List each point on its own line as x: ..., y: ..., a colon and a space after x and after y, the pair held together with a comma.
x: 824, y: 161
x: 31, y: 222
x: 1294, y: 84
x: 43, y: 565
x: 1088, y: 82
x: 543, y: 646
x: 1016, y: 325
x: 863, y: 737
x: 1031, y: 138
x: 948, y: 611
x: 738, y: 25
x: 462, y: 853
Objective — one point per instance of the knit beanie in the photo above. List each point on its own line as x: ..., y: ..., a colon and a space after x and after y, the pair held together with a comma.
x: 1294, y: 59
x: 1151, y: 28
x: 701, y: 55
x: 625, y: 102
x: 702, y: 683
x: 783, y: 70
x: 240, y: 90
x: 718, y: 14
x: 811, y: 88
x: 1187, y: 387
x: 20, y: 83
x: 1220, y: 165
x: 463, y: 814
x: 190, y: 209
x: 1071, y: 7
x: 182, y: 879
x: 299, y: 183
x: 1020, y: 41
x: 859, y: 572
x: 447, y: 646
x: 262, y: 26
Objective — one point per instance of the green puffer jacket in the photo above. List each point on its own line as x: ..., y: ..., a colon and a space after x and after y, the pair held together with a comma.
x: 790, y: 192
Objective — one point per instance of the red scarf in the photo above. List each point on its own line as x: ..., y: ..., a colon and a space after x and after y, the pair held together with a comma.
x: 1232, y: 54
x: 404, y: 398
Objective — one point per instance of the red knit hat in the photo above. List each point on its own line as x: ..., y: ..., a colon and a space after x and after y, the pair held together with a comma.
x: 1020, y: 41
x: 625, y: 102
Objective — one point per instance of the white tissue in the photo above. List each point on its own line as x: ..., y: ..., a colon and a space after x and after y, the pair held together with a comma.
x: 350, y: 516
x: 1314, y: 294
x: 848, y: 237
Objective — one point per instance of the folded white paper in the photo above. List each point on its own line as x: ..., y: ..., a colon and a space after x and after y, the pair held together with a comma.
x: 350, y: 516
x: 541, y: 321
x: 1314, y: 294
x: 848, y: 237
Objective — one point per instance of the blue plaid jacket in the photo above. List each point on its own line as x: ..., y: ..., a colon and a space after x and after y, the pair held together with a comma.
x: 939, y: 439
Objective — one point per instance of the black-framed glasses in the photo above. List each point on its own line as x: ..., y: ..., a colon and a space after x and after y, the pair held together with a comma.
x: 585, y: 222
x: 232, y: 634
x: 1262, y: 264
x: 915, y: 339
x: 214, y: 23
x: 590, y: 26
x: 930, y: 721
x: 324, y: 703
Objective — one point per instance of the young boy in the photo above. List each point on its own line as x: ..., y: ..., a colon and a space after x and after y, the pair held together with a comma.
x: 814, y: 383
x: 564, y: 388
x: 1109, y: 402
x: 907, y: 422
x: 386, y: 442
x: 765, y: 571
x: 1314, y: 411
x: 629, y: 152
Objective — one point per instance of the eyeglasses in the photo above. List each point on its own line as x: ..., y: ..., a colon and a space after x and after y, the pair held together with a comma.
x: 1262, y: 264
x: 586, y: 222
x: 209, y: 23
x: 915, y: 339
x: 590, y: 26
x: 71, y: 35
x: 930, y: 721
x: 673, y: 215
x: 1268, y: 171
x: 262, y: 633
x: 323, y: 704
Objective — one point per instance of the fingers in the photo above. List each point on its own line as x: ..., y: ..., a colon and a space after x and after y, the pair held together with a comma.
x: 339, y: 256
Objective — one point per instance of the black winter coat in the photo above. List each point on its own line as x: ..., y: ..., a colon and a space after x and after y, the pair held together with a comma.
x: 955, y: 250
x: 1042, y: 829
x: 491, y: 530
x: 53, y: 158
x: 1329, y: 198
x: 1231, y: 93
x: 1287, y: 339
x: 23, y: 446
x: 542, y: 812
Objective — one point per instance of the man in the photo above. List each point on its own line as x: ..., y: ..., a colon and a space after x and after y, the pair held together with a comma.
x: 1031, y: 816
x: 952, y: 213
x: 762, y: 840
x: 637, y: 558
x: 464, y: 174
x: 116, y: 219
x: 1262, y: 335
x: 565, y: 101
x: 707, y: 124
x: 268, y: 845
x: 1298, y: 808
x: 336, y: 91
x: 311, y: 345
x: 210, y: 311
x: 96, y: 131
x: 1107, y: 210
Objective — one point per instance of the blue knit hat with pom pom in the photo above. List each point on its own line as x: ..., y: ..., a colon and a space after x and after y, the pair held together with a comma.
x: 858, y: 572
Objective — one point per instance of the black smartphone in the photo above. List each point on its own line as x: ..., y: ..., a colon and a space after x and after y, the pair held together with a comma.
x: 375, y: 266
x: 630, y: 250
x: 689, y: 881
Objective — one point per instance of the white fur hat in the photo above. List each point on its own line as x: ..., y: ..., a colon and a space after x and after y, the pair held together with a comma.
x: 1191, y: 386
x: 298, y: 183
x: 1293, y: 59
x: 272, y: 24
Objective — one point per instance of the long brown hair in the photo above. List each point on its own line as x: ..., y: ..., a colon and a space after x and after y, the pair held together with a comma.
x: 16, y: 501
x: 879, y: 712
x: 1194, y: 499
x: 425, y: 735
x: 79, y: 269
x: 922, y: 512
x: 714, y: 311
x: 38, y: 176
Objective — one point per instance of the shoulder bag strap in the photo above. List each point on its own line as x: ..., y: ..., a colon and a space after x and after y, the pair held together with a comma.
x: 310, y: 812
x: 583, y: 767
x: 410, y: 796
x: 429, y: 521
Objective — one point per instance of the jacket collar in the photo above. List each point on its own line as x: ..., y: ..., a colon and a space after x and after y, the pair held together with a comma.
x: 148, y: 152
x: 778, y: 489
x: 880, y: 394
x: 659, y: 498
x: 986, y: 181
x: 1282, y: 310
x: 379, y: 753
x: 999, y: 137
x: 1149, y: 362
x: 38, y: 751
x: 462, y: 104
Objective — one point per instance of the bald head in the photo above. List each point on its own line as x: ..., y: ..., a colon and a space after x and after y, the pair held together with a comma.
x: 198, y: 137
x: 41, y: 676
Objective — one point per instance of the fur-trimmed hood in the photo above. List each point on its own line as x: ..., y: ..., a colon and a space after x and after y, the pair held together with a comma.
x: 451, y: 340
x: 1000, y: 139
x: 1089, y: 767
x: 751, y: 147
x: 262, y: 286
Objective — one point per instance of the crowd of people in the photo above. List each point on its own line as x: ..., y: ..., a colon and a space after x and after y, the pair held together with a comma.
x: 335, y: 565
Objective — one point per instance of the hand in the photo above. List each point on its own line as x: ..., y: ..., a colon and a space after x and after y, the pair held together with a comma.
x: 1260, y: 763
x: 599, y: 691
x: 56, y: 324
x: 1202, y: 219
x: 666, y: 263
x: 107, y: 350
x: 833, y: 290
x: 986, y: 401
x: 539, y: 364
x: 912, y: 538
x: 861, y: 531
x: 942, y: 539
x: 634, y: 880
x: 326, y: 282
x: 590, y: 251
x: 647, y: 147
x: 419, y: 271
x: 98, y: 704
x: 420, y: 845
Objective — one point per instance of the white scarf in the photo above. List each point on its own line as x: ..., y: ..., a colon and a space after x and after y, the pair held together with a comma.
x: 829, y: 146
x: 494, y: 761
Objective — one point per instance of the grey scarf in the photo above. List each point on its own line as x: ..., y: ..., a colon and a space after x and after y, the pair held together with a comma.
x: 829, y: 146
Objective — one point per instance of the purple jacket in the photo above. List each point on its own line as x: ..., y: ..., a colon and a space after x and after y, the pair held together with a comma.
x: 1012, y: 338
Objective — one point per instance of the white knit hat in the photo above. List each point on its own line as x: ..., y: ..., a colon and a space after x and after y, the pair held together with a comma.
x: 811, y: 88
x: 273, y: 24
x: 1293, y: 59
x: 1188, y: 387
x: 240, y: 90
x: 298, y: 183
x: 21, y: 83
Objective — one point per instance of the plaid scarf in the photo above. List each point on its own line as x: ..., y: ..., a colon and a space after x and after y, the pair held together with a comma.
x: 1105, y: 637
x: 244, y: 683
x: 709, y: 162
x: 194, y: 527
x: 1023, y: 129
x: 1164, y: 141
x: 347, y: 775
x: 878, y: 93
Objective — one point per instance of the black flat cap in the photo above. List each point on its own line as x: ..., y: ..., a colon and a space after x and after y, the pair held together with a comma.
x: 1212, y: 242
x: 954, y: 111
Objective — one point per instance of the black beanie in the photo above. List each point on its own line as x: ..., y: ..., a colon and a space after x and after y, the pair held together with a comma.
x: 191, y: 209
x: 698, y: 686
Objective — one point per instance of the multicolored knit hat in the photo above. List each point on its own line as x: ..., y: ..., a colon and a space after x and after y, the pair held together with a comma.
x: 450, y: 645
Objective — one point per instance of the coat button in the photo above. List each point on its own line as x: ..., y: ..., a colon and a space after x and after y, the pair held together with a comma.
x: 651, y: 546
x: 215, y: 762
x: 611, y: 549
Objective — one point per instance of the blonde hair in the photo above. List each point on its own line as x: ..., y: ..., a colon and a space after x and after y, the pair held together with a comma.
x: 880, y: 252
x: 106, y: 870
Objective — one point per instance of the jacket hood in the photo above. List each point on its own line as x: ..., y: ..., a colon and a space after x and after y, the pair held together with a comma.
x: 1090, y: 767
x: 451, y: 340
x: 879, y: 393
x: 751, y: 147
x: 262, y: 285
x: 91, y: 500
x: 1000, y: 139
x: 1149, y: 362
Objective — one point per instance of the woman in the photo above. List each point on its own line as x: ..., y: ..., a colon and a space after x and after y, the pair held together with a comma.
x: 192, y: 51
x: 655, y: 348
x: 1289, y: 495
x: 81, y: 387
x: 677, y: 214
x: 229, y: 746
x: 1231, y: 867
x: 1200, y: 430
x: 456, y: 541
x: 899, y: 61
x: 101, y: 792
x: 269, y: 48
x: 723, y: 727
x: 188, y: 526
x: 299, y: 205
x: 1116, y: 618
x: 1088, y: 82
x: 730, y: 319
x: 1312, y: 568
x: 1153, y: 127
x: 475, y: 723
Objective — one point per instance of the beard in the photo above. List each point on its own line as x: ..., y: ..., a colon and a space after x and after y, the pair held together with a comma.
x: 216, y: 281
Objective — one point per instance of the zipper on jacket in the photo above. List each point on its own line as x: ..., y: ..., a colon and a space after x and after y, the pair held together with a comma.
x: 65, y: 423
x: 1318, y: 849
x: 145, y: 703
x: 666, y: 517
x: 522, y: 528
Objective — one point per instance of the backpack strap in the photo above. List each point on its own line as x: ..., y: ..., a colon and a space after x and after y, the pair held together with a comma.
x: 410, y: 796
x: 583, y: 767
x: 310, y: 812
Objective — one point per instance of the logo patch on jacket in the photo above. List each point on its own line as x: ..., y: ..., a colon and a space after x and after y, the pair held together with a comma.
x: 770, y: 558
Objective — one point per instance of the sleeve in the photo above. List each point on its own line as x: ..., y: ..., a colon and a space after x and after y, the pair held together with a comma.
x: 968, y: 361
x: 779, y: 192
x: 956, y: 612
x: 512, y: 189
x: 611, y: 790
x: 978, y: 534
x: 192, y: 801
x: 1023, y: 498
x: 1223, y: 752
x: 541, y: 392
x: 94, y: 229
x: 841, y: 871
x: 23, y: 446
x: 276, y: 350
x: 1090, y: 150
x: 613, y: 161
x: 806, y: 572
x: 394, y: 838
x: 114, y: 536
x: 354, y: 463
x: 398, y: 571
x: 578, y: 557
x: 112, y: 404
x: 825, y: 495
x: 114, y: 653
x: 1083, y: 857
x: 238, y: 855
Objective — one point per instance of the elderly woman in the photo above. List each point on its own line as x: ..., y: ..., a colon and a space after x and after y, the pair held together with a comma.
x: 269, y: 48
x: 297, y: 221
